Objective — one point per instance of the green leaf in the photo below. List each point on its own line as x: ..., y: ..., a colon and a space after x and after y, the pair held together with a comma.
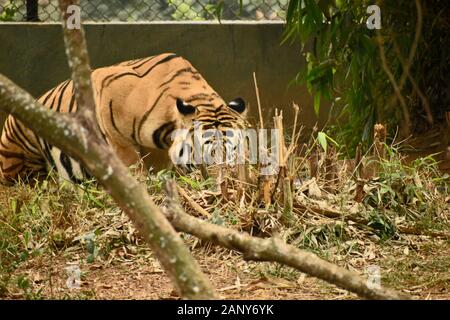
x: 14, y: 205
x: 192, y: 183
x: 293, y: 7
x: 317, y: 103
x: 315, y: 12
x: 339, y: 4
x: 332, y: 140
x: 324, y: 6
x: 219, y: 10
x: 320, y: 70
x: 322, y: 139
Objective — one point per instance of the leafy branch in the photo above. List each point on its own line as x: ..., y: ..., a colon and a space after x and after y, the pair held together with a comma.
x: 373, y: 76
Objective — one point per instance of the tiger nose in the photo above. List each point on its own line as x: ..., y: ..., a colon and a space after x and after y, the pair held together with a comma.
x: 209, y: 133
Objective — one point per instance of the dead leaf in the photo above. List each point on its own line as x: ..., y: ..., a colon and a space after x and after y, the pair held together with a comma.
x: 406, y: 251
x: 314, y: 190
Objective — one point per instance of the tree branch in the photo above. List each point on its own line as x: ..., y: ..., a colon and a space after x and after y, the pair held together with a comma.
x: 101, y: 162
x: 272, y: 250
x: 80, y: 138
x: 78, y: 59
x: 391, y: 77
x: 75, y: 44
x: 406, y: 64
x: 72, y: 138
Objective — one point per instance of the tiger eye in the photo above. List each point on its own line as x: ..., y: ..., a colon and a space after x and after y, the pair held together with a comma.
x: 237, y: 105
x: 184, y: 108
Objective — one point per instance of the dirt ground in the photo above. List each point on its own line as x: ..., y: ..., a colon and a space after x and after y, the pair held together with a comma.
x: 421, y: 272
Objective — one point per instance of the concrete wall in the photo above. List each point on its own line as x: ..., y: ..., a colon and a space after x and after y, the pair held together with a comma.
x: 226, y: 54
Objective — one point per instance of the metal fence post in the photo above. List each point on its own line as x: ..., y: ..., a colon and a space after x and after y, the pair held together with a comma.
x: 32, y: 10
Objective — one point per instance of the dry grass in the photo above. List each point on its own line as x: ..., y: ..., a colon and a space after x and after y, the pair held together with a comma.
x: 398, y: 219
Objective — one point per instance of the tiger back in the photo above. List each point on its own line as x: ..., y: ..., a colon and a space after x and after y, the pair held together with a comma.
x: 139, y: 104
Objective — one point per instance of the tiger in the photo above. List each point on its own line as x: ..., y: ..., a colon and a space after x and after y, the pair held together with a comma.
x: 139, y: 104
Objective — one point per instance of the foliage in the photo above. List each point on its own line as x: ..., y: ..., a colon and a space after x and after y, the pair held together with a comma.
x: 81, y: 222
x: 344, y: 66
x: 323, y: 138
x: 9, y: 11
x: 227, y: 9
x: 36, y: 220
x: 406, y: 192
x: 188, y: 10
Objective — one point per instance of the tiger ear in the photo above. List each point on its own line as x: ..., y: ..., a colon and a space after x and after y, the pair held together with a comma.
x: 238, y: 105
x: 184, y: 108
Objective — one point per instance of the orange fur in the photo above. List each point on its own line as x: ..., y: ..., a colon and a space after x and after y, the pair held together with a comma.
x: 133, y: 99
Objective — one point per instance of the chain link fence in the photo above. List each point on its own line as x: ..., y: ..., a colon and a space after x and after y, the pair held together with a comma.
x: 147, y: 10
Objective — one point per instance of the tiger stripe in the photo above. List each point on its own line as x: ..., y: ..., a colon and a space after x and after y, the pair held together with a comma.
x: 107, y: 81
x: 139, y: 104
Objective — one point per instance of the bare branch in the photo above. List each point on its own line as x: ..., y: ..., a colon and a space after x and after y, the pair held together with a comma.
x: 406, y: 64
x: 391, y: 77
x: 272, y: 250
x: 72, y: 138
x: 83, y: 141
x: 78, y: 59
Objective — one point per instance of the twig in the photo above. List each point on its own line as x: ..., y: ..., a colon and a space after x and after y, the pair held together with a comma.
x: 414, y: 231
x: 393, y: 82
x: 423, y: 98
x: 261, y: 122
x: 295, y: 136
x: 193, y: 204
x: 78, y: 58
x: 273, y: 249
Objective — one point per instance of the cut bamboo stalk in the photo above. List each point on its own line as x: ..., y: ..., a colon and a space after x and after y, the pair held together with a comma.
x: 314, y: 163
x: 242, y: 178
x: 223, y: 184
x: 264, y: 182
x: 258, y: 100
x: 359, y: 169
x: 379, y: 140
x: 281, y: 149
x: 287, y: 217
x: 330, y: 169
x: 267, y: 187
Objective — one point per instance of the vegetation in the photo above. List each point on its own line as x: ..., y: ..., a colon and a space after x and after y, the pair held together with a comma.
x: 9, y: 11
x: 403, y: 207
x: 151, y: 10
x: 353, y: 213
x: 394, y: 75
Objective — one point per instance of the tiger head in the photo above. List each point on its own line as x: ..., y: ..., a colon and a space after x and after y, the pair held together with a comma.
x: 208, y: 133
x: 184, y: 112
